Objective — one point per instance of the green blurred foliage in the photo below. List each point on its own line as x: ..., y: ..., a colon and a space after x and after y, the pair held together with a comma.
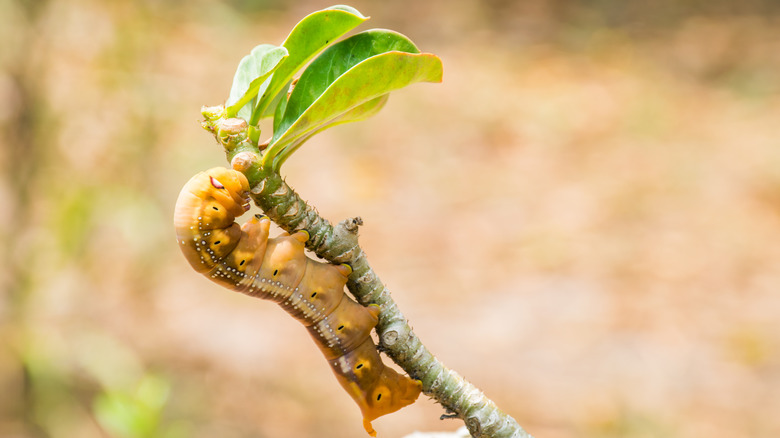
x: 594, y: 190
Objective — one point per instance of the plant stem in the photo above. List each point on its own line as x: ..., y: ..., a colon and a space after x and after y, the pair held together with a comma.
x: 339, y: 244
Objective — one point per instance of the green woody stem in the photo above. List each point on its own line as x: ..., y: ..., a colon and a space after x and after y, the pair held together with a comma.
x: 339, y: 244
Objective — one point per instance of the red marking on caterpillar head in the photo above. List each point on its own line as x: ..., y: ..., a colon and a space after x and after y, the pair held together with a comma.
x: 216, y: 183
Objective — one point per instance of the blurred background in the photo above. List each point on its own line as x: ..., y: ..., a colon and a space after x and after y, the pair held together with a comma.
x: 583, y: 219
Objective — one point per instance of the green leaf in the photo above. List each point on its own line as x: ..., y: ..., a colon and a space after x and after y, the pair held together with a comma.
x: 308, y: 38
x: 339, y: 82
x: 252, y: 72
x: 334, y: 62
x: 280, y: 108
x: 360, y: 112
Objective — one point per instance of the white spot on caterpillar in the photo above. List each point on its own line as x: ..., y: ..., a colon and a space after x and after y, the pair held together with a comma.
x: 343, y: 365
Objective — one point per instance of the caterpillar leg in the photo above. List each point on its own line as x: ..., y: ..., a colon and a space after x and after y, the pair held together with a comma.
x: 301, y: 236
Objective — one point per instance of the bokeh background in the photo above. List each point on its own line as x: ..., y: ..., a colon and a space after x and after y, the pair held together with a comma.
x: 583, y: 219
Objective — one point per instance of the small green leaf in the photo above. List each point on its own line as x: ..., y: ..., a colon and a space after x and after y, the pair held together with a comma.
x: 336, y: 61
x: 308, y: 38
x: 252, y: 72
x: 280, y: 108
x: 346, y: 76
x: 360, y: 112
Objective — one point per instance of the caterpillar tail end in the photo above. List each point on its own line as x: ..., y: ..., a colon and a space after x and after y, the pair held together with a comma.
x: 369, y: 428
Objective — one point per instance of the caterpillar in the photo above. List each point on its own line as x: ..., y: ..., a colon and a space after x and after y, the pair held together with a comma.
x: 245, y: 259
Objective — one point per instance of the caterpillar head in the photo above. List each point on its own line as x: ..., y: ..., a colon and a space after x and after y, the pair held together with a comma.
x: 205, y: 215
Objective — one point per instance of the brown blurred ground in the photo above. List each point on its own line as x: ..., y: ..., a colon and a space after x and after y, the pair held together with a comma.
x: 583, y: 219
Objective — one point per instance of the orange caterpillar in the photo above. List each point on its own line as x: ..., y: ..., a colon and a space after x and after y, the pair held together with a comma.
x: 244, y: 259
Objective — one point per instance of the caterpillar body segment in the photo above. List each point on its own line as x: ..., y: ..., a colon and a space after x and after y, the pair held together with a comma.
x: 245, y: 259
